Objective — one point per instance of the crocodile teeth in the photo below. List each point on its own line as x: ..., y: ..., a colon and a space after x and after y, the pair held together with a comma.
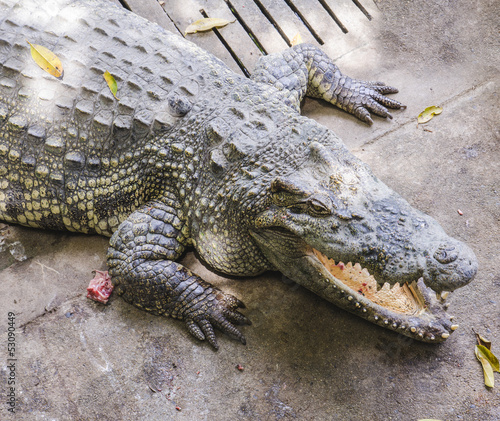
x: 444, y: 295
x: 402, y: 299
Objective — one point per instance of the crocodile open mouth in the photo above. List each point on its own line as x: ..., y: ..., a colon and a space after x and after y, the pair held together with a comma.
x: 412, y: 309
x: 404, y: 299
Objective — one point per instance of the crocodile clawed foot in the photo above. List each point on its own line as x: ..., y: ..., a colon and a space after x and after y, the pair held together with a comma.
x: 218, y: 310
x: 369, y: 97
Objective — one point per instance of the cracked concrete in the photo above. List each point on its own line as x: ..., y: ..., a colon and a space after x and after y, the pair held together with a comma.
x: 305, y: 359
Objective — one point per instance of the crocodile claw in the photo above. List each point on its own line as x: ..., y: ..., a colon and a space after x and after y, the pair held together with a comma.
x: 219, y: 311
x: 370, y: 97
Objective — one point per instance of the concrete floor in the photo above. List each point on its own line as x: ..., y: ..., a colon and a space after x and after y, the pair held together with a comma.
x: 305, y: 359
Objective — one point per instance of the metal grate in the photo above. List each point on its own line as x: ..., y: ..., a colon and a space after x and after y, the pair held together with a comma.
x: 263, y: 26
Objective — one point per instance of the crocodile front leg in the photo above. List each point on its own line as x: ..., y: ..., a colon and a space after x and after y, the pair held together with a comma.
x: 141, y: 260
x: 306, y: 70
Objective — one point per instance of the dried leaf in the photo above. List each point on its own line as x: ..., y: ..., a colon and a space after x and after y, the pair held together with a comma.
x: 206, y: 24
x: 47, y: 60
x: 428, y: 113
x: 487, y: 369
x: 110, y: 80
x: 489, y: 363
x: 297, y: 39
x: 483, y: 341
x: 492, y: 359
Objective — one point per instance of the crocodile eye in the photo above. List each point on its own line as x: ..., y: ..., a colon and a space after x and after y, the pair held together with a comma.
x: 318, y: 208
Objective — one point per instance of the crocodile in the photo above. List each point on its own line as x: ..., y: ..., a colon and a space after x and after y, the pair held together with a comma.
x: 190, y: 155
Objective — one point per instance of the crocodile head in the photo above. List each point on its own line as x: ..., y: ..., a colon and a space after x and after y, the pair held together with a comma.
x: 330, y: 225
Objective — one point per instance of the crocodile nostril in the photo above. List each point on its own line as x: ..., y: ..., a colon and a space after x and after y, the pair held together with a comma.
x: 445, y: 254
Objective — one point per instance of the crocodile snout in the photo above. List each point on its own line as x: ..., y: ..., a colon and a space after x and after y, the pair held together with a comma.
x: 457, y: 266
x: 446, y: 254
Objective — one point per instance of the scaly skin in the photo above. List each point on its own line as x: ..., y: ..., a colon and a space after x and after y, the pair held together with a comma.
x: 193, y: 155
x: 305, y: 69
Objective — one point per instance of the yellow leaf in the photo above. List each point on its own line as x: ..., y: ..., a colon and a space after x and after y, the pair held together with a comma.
x: 297, y: 39
x: 47, y: 60
x: 110, y: 80
x: 428, y: 113
x: 489, y: 380
x: 490, y: 357
x: 206, y: 24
